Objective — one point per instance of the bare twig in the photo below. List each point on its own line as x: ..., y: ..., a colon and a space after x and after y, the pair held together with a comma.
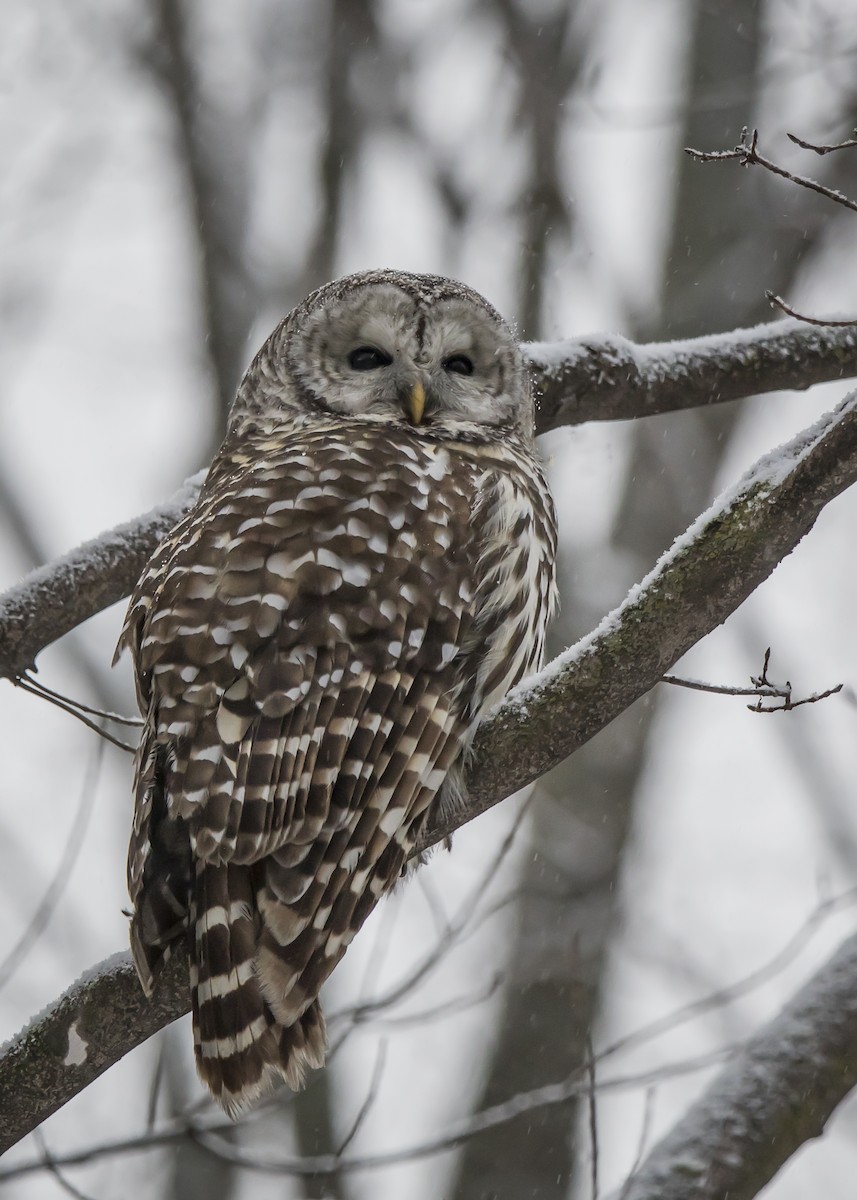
x: 50, y: 694
x: 455, y: 930
x: 762, y: 681
x: 437, y: 1012
x: 747, y: 154
x: 74, y: 843
x: 50, y: 1165
x: 761, y: 686
x: 784, y: 691
x: 593, y: 1115
x: 789, y: 704
x: 645, y: 1131
x: 369, y: 1100
x: 821, y: 149
x: 156, y: 1084
x: 780, y: 303
x: 784, y: 957
x: 721, y: 689
x: 27, y: 683
x: 775, y: 1095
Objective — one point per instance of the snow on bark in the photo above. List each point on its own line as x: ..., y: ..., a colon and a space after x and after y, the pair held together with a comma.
x: 776, y: 1094
x: 604, y: 377
x: 53, y: 599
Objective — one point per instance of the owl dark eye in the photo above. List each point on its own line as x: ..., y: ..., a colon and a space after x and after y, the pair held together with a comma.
x: 458, y: 364
x: 367, y: 358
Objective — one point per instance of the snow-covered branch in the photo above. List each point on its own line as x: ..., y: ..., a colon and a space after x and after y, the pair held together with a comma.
x: 725, y: 555
x: 91, y: 1026
x: 608, y: 378
x: 775, y: 1095
x: 55, y: 598
x: 582, y: 379
x: 707, y: 573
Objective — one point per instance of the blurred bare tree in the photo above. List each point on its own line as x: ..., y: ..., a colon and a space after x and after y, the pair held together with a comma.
x: 332, y: 102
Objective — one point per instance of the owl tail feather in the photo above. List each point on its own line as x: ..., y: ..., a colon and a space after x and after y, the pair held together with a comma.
x: 242, y: 1050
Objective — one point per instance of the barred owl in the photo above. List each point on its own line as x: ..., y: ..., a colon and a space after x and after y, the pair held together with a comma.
x: 369, y: 567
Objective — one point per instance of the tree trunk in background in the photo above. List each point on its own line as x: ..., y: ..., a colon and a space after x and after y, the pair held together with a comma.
x: 316, y: 1136
x: 714, y: 279
x: 214, y: 134
x: 217, y: 135
x: 549, y: 60
x: 191, y: 1173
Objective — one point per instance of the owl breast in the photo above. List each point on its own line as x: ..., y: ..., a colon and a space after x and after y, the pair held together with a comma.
x: 314, y: 647
x: 516, y: 587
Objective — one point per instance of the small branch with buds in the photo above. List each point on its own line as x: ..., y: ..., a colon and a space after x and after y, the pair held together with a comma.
x: 747, y: 154
x: 778, y: 302
x: 850, y: 144
x: 761, y: 686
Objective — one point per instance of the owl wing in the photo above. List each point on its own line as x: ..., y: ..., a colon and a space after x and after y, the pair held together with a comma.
x: 297, y: 654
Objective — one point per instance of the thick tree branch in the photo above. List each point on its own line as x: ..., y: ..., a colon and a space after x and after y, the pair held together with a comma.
x: 777, y: 1094
x: 91, y: 1026
x: 725, y: 555
x: 55, y: 598
x: 707, y: 573
x: 608, y: 378
x: 585, y: 379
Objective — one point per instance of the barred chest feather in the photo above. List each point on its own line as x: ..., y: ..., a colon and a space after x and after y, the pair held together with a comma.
x: 516, y: 592
x: 340, y: 533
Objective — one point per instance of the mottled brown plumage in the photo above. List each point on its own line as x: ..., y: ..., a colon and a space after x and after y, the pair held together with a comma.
x: 369, y: 567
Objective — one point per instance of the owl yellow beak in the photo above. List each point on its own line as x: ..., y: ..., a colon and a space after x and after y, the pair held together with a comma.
x: 415, y: 403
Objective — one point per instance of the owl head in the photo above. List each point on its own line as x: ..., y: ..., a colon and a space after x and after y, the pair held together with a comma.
x: 415, y: 351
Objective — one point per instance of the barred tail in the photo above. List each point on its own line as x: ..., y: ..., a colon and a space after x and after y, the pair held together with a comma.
x: 241, y: 1048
